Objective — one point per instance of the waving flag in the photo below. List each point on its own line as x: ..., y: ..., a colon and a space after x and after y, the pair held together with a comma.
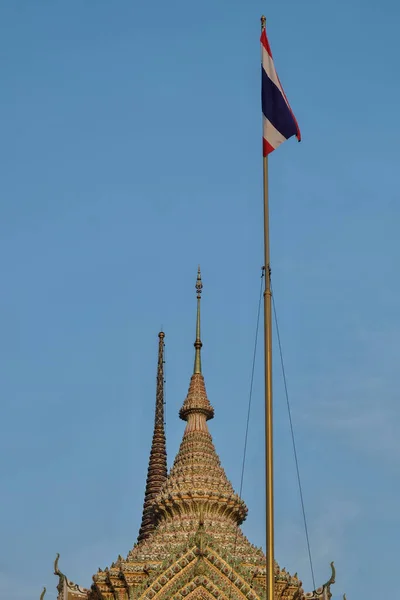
x: 279, y: 122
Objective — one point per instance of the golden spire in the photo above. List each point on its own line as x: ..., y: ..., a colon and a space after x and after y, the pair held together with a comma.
x: 196, y: 400
x: 198, y: 344
x: 157, y: 471
x: 197, y: 479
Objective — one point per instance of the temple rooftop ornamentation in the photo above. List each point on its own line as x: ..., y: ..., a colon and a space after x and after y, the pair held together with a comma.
x: 190, y: 545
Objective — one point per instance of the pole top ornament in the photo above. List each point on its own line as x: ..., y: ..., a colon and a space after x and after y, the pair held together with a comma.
x: 199, y: 283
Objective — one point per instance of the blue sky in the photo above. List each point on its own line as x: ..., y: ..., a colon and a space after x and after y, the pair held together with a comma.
x: 130, y: 152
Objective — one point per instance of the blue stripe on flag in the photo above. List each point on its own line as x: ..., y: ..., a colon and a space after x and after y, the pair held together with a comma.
x: 275, y: 108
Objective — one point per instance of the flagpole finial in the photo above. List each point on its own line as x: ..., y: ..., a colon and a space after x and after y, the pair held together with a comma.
x: 198, y: 344
x: 263, y: 22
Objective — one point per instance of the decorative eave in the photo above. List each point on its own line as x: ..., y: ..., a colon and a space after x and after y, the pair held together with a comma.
x: 188, y: 503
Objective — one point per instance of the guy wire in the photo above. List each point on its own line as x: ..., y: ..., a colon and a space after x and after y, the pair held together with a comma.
x: 293, y: 440
x: 249, y: 406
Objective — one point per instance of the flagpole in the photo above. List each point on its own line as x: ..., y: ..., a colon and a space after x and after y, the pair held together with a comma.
x: 269, y: 463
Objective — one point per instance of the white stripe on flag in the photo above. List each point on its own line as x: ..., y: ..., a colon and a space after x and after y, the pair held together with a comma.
x: 269, y: 68
x: 271, y: 134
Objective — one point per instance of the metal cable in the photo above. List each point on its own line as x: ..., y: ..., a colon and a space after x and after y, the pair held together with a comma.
x: 249, y: 409
x: 293, y: 441
x: 251, y: 382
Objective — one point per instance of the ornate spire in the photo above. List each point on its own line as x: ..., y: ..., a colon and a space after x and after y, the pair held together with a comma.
x: 196, y: 400
x: 198, y: 344
x: 157, y: 471
x: 197, y: 480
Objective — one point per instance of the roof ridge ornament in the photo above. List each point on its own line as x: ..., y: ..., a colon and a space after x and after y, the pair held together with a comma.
x: 324, y: 591
x: 56, y: 569
x: 332, y: 578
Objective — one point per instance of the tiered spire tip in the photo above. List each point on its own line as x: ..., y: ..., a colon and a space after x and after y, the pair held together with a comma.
x: 157, y: 470
x: 198, y: 344
x: 196, y: 400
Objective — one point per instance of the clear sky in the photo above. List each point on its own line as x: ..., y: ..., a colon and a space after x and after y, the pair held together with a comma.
x: 130, y: 152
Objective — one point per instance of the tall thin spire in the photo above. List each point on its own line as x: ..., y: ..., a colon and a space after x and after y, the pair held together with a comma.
x: 198, y: 344
x: 157, y: 471
x: 159, y: 415
x: 196, y: 400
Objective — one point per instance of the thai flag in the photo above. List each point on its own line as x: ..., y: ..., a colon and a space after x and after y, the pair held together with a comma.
x: 279, y: 122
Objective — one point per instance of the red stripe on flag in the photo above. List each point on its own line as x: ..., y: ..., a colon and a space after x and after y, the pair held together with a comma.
x: 267, y: 148
x: 265, y: 42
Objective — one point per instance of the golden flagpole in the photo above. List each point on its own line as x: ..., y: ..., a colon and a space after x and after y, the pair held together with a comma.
x: 269, y: 462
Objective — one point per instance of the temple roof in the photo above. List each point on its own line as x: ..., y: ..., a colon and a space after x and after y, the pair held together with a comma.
x: 190, y: 542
